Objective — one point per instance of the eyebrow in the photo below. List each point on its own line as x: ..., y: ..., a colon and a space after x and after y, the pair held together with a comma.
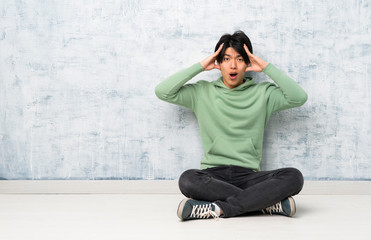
x: 239, y: 55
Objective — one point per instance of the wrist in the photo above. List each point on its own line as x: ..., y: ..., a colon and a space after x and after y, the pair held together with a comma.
x: 200, y: 67
x: 267, y: 68
x: 203, y: 64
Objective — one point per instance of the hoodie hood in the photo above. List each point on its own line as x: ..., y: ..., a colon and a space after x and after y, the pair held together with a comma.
x: 248, y: 81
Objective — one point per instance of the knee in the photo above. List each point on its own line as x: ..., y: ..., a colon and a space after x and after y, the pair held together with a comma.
x: 186, y: 181
x: 296, y: 178
x: 190, y: 180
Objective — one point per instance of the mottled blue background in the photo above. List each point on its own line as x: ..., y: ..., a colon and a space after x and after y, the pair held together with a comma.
x: 77, y: 83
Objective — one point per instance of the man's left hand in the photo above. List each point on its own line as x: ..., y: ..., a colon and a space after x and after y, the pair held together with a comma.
x: 256, y: 64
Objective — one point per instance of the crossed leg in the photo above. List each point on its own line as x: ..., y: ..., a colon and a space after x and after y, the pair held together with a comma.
x: 237, y: 190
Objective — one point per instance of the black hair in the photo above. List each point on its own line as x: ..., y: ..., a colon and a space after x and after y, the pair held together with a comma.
x: 236, y: 41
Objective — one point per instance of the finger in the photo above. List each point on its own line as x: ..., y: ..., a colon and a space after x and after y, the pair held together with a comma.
x: 247, y: 50
x: 219, y: 49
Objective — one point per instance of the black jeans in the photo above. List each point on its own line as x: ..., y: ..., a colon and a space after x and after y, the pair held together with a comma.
x: 237, y: 190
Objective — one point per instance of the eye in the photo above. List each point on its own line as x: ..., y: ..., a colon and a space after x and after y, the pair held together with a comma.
x: 226, y: 58
x: 240, y: 59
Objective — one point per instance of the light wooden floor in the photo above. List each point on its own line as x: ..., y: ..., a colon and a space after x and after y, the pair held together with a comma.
x: 150, y: 216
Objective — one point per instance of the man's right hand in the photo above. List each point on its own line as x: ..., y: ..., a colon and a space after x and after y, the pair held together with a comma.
x: 209, y: 63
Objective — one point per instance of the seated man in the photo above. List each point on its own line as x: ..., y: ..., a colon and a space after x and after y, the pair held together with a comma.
x: 232, y: 113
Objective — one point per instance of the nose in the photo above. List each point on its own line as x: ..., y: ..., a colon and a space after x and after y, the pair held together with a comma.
x: 233, y: 64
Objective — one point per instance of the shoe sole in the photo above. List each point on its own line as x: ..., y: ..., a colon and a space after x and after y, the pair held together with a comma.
x: 180, y: 208
x: 293, y: 206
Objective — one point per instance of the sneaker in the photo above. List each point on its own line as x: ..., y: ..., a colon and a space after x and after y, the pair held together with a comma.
x: 193, y: 209
x: 285, y: 207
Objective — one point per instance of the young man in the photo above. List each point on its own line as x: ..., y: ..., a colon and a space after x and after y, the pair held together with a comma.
x: 232, y: 113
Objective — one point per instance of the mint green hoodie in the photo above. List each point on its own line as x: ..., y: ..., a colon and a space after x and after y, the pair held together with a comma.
x: 232, y: 121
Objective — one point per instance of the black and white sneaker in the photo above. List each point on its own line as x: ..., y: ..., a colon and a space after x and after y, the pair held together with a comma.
x: 193, y: 209
x: 285, y: 207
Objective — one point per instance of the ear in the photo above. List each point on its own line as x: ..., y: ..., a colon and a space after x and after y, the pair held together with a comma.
x: 217, y: 65
x: 248, y: 67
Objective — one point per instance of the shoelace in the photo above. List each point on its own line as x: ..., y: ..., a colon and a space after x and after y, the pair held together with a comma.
x: 203, y: 211
x: 276, y: 208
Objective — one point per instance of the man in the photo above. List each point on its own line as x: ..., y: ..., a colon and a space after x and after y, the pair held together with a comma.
x: 232, y: 113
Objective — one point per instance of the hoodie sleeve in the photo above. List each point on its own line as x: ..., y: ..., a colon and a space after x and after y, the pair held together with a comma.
x: 174, y: 90
x: 288, y: 94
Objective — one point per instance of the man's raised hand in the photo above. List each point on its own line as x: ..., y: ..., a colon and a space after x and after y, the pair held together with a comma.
x: 209, y: 62
x: 256, y: 63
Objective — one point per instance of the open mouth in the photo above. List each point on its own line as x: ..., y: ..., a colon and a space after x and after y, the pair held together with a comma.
x: 233, y: 75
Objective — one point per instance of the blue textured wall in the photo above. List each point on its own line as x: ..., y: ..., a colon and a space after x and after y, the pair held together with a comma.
x: 77, y: 85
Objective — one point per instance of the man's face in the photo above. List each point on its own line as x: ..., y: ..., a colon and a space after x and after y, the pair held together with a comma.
x: 233, y: 68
